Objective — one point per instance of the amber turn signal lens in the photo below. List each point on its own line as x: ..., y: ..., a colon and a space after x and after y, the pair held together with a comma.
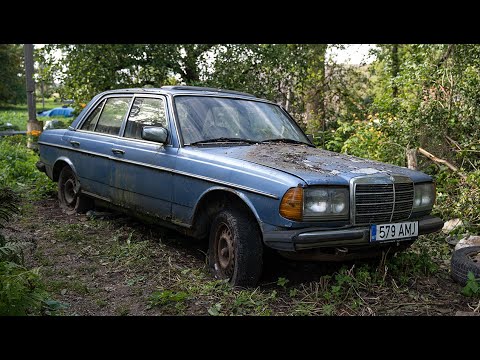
x: 291, y: 206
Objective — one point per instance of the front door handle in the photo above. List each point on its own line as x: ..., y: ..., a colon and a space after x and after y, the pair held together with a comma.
x: 75, y: 143
x: 118, y: 151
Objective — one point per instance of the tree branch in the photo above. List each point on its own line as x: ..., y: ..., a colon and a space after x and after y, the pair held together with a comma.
x: 441, y: 161
x: 446, y: 55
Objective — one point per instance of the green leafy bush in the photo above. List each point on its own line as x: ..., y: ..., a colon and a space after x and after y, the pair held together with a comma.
x: 369, y: 139
x: 18, y: 171
x: 21, y: 290
x: 459, y: 198
x: 472, y: 288
x: 12, y: 250
x: 8, y: 207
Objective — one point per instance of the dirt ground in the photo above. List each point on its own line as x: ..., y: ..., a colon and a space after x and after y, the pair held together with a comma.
x: 123, y: 267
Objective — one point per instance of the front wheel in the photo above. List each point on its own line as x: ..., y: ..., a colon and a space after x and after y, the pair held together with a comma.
x: 235, y: 248
x: 71, y: 201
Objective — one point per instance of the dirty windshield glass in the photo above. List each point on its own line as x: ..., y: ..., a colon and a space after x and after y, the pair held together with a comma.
x: 205, y: 118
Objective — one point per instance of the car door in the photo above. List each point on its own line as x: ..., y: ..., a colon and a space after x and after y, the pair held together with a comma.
x: 143, y: 169
x: 93, y: 142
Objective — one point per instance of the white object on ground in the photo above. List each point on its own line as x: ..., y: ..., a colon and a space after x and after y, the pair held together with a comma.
x: 471, y: 240
x: 451, y: 225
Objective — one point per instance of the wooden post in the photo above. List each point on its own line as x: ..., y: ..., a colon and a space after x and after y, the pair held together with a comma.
x: 411, y: 158
x: 34, y: 127
x: 42, y: 87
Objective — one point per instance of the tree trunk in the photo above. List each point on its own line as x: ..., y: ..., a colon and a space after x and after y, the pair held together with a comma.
x: 411, y: 158
x: 289, y: 96
x: 395, y: 69
x: 314, y: 99
x: 34, y: 127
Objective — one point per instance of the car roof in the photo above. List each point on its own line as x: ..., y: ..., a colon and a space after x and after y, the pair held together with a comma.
x: 184, y: 90
x: 171, y: 90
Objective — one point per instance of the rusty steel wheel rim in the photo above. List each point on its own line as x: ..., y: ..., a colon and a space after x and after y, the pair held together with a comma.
x: 475, y: 257
x: 69, y: 192
x: 225, y: 249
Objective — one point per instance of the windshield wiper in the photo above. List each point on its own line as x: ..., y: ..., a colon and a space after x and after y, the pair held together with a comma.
x: 223, y: 140
x: 287, y: 141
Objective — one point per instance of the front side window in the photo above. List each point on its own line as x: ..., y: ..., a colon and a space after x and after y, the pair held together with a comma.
x: 112, y: 115
x: 145, y: 112
x: 205, y: 118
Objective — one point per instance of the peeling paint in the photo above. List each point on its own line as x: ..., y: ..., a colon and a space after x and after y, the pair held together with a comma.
x: 366, y: 171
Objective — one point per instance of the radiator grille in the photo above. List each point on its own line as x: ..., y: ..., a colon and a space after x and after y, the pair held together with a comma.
x: 383, y: 203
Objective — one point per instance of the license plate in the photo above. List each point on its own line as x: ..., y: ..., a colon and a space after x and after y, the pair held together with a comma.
x: 397, y: 231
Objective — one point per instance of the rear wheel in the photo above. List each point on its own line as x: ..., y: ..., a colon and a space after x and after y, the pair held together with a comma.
x: 235, y: 248
x: 71, y: 201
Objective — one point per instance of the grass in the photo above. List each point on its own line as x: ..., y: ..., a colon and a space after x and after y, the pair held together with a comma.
x: 64, y: 286
x: 17, y: 115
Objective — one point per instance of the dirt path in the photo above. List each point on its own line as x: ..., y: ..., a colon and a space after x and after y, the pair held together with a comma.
x: 123, y: 267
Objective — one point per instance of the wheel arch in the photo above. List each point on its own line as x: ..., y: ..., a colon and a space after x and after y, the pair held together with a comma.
x: 213, y: 200
x: 60, y: 163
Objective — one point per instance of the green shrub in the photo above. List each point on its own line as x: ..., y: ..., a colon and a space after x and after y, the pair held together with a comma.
x: 472, y: 288
x: 458, y: 198
x: 8, y: 207
x: 367, y: 139
x: 21, y: 291
x: 18, y: 171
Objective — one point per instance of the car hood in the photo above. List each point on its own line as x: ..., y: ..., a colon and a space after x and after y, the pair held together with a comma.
x: 314, y: 166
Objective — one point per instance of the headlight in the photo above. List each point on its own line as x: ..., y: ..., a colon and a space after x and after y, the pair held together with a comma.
x: 310, y: 204
x: 325, y: 203
x: 424, y: 196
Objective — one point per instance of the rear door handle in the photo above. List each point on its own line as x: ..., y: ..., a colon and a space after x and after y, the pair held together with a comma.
x: 118, y: 151
x: 75, y: 143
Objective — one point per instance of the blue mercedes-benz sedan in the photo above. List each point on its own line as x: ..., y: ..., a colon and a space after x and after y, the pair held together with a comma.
x: 236, y: 170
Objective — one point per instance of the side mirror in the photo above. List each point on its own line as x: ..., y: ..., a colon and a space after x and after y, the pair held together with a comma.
x: 155, y: 133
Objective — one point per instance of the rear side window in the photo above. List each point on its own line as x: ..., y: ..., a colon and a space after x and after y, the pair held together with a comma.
x: 92, y: 119
x: 145, y: 112
x: 112, y: 115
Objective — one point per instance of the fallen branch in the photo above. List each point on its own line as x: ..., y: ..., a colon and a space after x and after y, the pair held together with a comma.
x: 441, y: 161
x: 453, y: 142
x: 460, y: 149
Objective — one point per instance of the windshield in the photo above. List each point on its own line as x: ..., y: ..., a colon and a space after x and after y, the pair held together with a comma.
x: 204, y: 118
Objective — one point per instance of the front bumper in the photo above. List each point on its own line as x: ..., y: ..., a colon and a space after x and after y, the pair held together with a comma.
x: 313, y: 238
